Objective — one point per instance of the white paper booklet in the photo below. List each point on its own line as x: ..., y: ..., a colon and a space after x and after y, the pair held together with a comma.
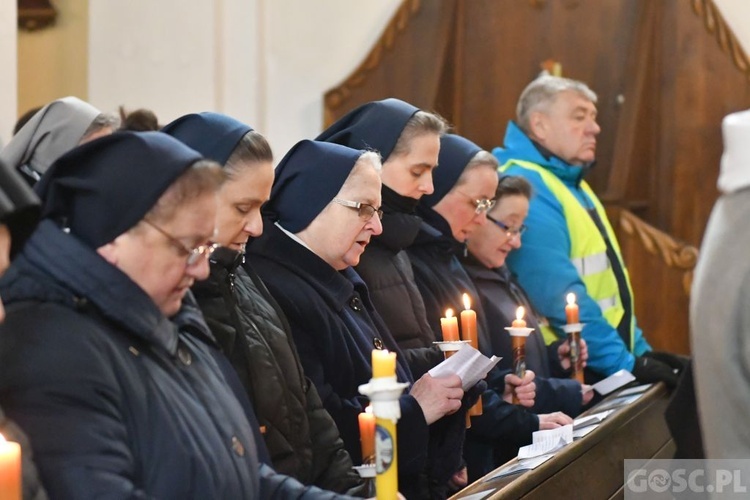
x: 468, y: 363
x: 546, y: 442
x: 613, y: 382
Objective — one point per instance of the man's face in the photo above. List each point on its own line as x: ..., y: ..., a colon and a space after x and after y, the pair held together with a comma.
x: 568, y: 128
x: 157, y: 263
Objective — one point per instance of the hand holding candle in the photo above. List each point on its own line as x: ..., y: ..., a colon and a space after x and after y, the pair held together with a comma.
x: 518, y: 333
x: 10, y: 470
x: 574, y: 337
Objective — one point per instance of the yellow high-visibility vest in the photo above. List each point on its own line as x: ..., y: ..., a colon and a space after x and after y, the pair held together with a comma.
x: 588, y: 250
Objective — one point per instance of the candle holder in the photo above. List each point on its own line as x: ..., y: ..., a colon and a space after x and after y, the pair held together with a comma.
x: 573, y: 330
x: 449, y: 347
x: 367, y: 472
x: 518, y: 336
x: 384, y: 393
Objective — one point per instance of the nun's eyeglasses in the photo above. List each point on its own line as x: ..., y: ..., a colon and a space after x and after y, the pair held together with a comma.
x: 509, y: 231
x: 480, y: 205
x: 193, y: 254
x: 364, y: 210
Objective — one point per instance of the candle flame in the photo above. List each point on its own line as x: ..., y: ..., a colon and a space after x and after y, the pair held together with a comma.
x: 2, y: 439
x: 467, y: 301
x: 368, y: 409
x: 571, y: 298
x: 519, y: 312
x: 449, y: 313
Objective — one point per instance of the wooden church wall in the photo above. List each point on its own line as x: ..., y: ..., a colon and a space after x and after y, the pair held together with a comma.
x: 666, y: 73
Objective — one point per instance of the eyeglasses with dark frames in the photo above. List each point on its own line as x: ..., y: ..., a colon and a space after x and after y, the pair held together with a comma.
x: 364, y: 210
x: 480, y: 205
x: 193, y: 254
x: 509, y: 231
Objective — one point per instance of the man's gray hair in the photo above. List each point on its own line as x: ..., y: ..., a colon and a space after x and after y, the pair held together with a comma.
x: 541, y: 93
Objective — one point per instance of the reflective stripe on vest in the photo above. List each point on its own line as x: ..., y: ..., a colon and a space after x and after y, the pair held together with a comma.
x: 588, y: 250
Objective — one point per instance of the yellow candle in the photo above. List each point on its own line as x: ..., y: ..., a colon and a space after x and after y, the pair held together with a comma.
x: 386, y: 460
x: 469, y: 323
x: 10, y: 470
x: 519, y: 322
x: 367, y: 435
x: 449, y: 326
x: 383, y: 363
x: 571, y: 309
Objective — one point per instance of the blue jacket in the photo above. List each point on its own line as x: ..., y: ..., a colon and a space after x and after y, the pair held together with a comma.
x: 118, y: 400
x: 543, y: 264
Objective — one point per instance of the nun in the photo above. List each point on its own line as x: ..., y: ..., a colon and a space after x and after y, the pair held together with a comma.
x: 323, y: 212
x: 300, y: 435
x: 464, y: 189
x: 53, y: 131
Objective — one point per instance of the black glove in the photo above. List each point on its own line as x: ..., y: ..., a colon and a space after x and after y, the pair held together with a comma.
x: 648, y: 369
x: 676, y: 361
x: 472, y: 395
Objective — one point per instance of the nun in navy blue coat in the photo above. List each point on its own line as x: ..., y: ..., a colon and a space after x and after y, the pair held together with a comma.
x: 323, y: 211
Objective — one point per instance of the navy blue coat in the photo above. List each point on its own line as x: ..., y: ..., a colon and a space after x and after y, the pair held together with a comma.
x: 335, y: 326
x: 118, y: 400
x: 501, y: 296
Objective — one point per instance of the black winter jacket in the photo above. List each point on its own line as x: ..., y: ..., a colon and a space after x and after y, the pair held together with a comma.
x: 301, y: 437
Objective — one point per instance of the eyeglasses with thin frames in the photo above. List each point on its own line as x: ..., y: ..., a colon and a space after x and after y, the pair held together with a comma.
x: 193, y: 254
x: 364, y: 210
x: 481, y: 205
x: 509, y: 231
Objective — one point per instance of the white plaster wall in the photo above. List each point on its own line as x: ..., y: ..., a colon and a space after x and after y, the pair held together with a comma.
x: 737, y: 15
x: 8, y: 74
x: 313, y: 46
x: 267, y: 62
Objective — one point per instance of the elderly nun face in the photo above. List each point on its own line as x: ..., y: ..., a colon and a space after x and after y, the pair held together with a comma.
x: 410, y: 174
x: 466, y: 204
x: 340, y: 233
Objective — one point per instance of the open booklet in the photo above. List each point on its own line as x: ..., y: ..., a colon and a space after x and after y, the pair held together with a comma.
x: 468, y: 363
x: 547, y: 442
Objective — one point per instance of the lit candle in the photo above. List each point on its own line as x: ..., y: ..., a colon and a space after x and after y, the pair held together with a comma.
x: 10, y: 470
x: 469, y: 323
x: 449, y: 326
x: 367, y: 435
x: 571, y: 309
x: 519, y: 322
x: 383, y: 363
x: 469, y: 332
x: 574, y: 338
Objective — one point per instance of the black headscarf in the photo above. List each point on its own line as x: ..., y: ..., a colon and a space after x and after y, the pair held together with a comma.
x: 376, y: 126
x: 103, y: 188
x: 19, y: 207
x: 307, y: 179
x: 455, y: 153
x: 211, y: 134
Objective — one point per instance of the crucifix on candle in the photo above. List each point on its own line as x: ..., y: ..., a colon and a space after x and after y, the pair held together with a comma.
x: 518, y: 333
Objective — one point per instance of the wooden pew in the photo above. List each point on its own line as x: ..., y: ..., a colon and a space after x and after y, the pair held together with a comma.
x: 591, y: 467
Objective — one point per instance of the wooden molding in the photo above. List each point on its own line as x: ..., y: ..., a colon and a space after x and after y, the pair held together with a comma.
x: 717, y: 26
x: 338, y: 95
x: 673, y: 253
